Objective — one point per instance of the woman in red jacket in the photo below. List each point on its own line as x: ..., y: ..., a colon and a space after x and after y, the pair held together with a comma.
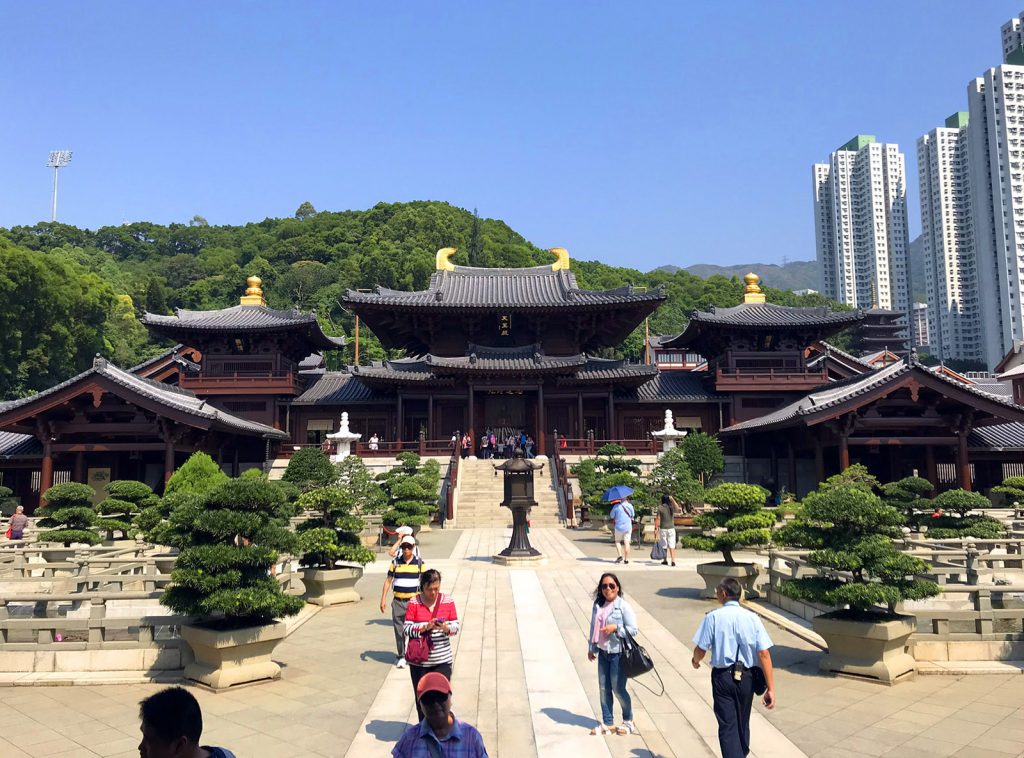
x: 431, y: 613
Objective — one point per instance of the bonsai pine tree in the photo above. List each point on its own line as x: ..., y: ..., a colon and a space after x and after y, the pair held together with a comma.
x: 850, y: 531
x: 310, y: 468
x: 229, y: 540
x: 198, y: 475
x: 906, y: 494
x: 126, y: 498
x: 856, y: 476
x: 7, y: 501
x: 331, y: 533
x: 69, y: 515
x: 739, y: 508
x: 672, y: 475
x: 961, y: 502
x: 703, y: 454
x: 1013, y: 489
x: 964, y: 524
x: 411, y: 490
x: 607, y: 469
x: 367, y: 496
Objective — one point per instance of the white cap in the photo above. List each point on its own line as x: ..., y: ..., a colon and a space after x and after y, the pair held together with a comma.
x: 408, y: 540
x: 404, y: 530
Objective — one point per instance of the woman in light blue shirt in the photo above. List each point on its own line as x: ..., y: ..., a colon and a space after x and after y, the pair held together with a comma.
x: 610, y: 619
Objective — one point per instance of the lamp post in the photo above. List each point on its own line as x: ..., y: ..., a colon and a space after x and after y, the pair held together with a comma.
x: 58, y: 160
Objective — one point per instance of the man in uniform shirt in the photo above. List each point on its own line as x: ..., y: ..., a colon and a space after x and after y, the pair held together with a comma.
x: 404, y: 574
x: 738, y: 641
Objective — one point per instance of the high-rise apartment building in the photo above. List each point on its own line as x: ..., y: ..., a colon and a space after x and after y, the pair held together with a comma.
x: 860, y: 220
x: 1013, y: 38
x: 995, y: 137
x: 947, y: 233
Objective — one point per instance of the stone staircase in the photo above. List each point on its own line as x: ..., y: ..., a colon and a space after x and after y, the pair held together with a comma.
x: 480, y: 491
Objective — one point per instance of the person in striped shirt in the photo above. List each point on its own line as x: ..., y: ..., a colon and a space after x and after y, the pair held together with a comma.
x: 433, y: 613
x: 404, y: 575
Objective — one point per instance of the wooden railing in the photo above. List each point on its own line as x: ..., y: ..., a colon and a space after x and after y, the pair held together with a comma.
x: 589, y: 445
x: 450, y: 483
x: 560, y: 471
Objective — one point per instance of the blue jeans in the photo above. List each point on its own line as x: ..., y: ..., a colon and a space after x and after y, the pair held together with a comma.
x: 610, y: 678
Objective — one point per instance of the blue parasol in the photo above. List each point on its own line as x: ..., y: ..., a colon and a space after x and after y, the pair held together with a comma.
x: 618, y: 492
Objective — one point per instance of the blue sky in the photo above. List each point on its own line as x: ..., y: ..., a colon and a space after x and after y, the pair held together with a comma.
x: 638, y: 134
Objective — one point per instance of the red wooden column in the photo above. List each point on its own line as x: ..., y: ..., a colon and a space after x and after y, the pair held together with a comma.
x: 962, y: 462
x: 45, y: 471
x: 470, y: 428
x: 580, y: 431
x: 931, y: 471
x: 844, y: 452
x: 541, y: 424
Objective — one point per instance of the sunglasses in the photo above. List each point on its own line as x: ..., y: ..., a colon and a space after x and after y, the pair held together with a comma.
x: 406, y: 547
x: 609, y: 586
x: 433, y: 698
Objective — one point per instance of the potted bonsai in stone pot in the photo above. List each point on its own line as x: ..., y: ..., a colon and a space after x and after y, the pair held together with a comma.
x: 126, y: 499
x: 69, y: 516
x: 861, y: 573
x: 332, y: 556
x: 229, y: 541
x: 738, y: 520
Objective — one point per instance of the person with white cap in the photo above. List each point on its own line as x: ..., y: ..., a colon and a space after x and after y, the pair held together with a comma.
x: 400, y: 532
x: 439, y: 733
x: 404, y: 576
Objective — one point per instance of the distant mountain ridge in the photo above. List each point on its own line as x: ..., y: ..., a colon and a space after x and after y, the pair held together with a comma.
x: 792, y: 275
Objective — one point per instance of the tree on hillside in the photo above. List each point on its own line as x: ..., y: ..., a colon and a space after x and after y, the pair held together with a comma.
x: 304, y: 211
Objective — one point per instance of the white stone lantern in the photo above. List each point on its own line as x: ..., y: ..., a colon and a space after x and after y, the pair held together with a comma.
x: 343, y: 439
x: 668, y: 435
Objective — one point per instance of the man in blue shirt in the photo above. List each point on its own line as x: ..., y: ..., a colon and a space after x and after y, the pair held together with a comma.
x: 738, y: 642
x: 440, y: 734
x: 622, y: 514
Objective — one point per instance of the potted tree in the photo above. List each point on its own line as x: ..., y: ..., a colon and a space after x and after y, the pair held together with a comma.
x: 126, y: 499
x: 332, y: 557
x: 850, y: 532
x: 229, y: 540
x: 737, y: 520
x: 68, y: 517
x: 411, y: 491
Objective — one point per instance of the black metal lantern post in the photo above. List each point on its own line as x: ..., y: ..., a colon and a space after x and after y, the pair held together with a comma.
x: 519, y: 499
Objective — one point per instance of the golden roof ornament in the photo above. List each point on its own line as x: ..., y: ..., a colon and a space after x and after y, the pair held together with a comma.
x: 752, y: 292
x: 444, y: 256
x: 562, y: 264
x: 253, y: 293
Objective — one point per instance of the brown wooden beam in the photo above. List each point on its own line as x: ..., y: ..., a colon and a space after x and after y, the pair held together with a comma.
x: 106, y: 447
x: 882, y: 441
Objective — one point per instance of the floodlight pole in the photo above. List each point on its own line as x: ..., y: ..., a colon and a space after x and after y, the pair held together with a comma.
x: 53, y: 216
x: 58, y: 160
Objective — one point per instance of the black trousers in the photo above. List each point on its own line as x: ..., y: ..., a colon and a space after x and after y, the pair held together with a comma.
x: 732, y: 709
x: 418, y: 672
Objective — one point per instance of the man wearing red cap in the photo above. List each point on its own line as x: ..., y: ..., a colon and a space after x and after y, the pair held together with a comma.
x: 440, y: 734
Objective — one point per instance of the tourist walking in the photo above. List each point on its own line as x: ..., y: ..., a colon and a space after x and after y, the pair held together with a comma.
x: 404, y: 576
x: 439, y: 734
x: 16, y: 526
x: 738, y: 642
x: 467, y: 445
x: 431, y: 614
x: 172, y: 725
x: 610, y: 619
x: 665, y: 523
x: 622, y: 515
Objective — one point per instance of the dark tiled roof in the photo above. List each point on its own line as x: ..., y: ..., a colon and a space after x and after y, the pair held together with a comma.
x: 340, y: 387
x: 997, y: 437
x: 675, y: 387
x: 526, y: 359
x: 493, y: 288
x: 14, y: 445
x: 402, y: 369
x: 1000, y: 389
x: 241, y: 319
x: 757, y: 315
x: 840, y: 392
x: 606, y: 369
x: 172, y: 397
x: 155, y: 359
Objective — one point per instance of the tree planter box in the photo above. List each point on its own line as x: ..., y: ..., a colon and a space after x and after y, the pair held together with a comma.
x: 331, y: 587
x: 744, y: 573
x: 870, y: 649
x: 236, y: 656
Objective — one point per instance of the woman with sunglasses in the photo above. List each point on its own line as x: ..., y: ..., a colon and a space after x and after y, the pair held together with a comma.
x: 432, y: 613
x: 611, y: 617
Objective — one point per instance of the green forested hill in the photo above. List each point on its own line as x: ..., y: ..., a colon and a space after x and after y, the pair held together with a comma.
x: 68, y: 293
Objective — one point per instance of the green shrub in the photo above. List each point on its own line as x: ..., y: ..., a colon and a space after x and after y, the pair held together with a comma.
x: 960, y: 502
x: 739, y: 508
x: 1012, y: 490
x: 703, y: 455
x: 907, y: 494
x: 198, y: 475
x: 69, y: 515
x: 127, y: 499
x: 977, y: 526
x: 671, y: 475
x: 331, y: 532
x: 608, y: 469
x: 8, y: 503
x: 411, y: 490
x: 850, y: 531
x: 309, y: 468
x: 856, y: 476
x: 229, y: 540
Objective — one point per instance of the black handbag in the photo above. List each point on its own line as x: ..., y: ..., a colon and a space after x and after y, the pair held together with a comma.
x: 635, y: 659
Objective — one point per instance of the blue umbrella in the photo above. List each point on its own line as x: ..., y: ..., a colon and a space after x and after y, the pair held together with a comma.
x: 618, y: 492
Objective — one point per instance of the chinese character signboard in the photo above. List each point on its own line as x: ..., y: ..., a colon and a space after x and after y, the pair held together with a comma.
x: 504, y: 325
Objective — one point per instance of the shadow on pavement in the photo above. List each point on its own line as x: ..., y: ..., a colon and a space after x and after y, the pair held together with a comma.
x: 380, y: 656
x: 562, y: 716
x: 387, y: 731
x: 379, y: 622
x: 691, y: 593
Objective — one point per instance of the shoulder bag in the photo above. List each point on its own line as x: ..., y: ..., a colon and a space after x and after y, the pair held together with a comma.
x: 417, y: 649
x: 635, y: 659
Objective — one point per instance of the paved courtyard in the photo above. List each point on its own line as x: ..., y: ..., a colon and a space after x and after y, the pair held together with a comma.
x: 522, y: 677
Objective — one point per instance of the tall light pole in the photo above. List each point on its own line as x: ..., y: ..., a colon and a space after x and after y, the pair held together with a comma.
x: 58, y: 160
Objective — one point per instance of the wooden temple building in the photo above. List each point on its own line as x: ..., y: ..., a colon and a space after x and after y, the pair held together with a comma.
x: 514, y: 350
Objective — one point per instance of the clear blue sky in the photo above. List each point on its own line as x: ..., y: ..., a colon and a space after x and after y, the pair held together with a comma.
x: 634, y: 133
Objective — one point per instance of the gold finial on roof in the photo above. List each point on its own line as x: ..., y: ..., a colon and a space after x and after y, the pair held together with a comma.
x: 444, y: 255
x: 752, y: 292
x: 562, y: 264
x: 253, y: 293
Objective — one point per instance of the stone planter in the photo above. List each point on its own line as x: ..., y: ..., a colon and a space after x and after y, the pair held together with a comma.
x: 744, y: 573
x: 870, y: 649
x: 235, y: 656
x: 331, y: 587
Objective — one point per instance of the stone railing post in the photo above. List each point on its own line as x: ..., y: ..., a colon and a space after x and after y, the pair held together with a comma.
x: 971, y: 564
x: 97, y: 615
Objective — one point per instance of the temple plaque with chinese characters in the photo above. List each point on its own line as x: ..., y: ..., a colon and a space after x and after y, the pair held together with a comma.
x: 504, y: 325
